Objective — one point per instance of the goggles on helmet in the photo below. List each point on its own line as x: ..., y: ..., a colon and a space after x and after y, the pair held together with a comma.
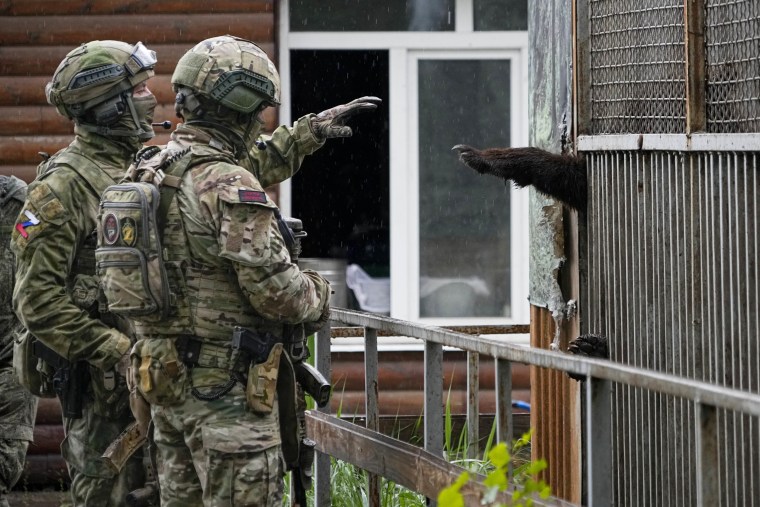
x: 141, y: 59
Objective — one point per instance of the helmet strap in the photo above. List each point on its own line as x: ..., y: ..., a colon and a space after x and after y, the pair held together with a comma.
x: 107, y: 131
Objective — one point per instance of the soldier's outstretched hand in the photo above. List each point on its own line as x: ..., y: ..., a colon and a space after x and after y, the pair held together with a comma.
x: 332, y: 122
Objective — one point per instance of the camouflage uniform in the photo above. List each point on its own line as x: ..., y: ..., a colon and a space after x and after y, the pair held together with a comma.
x: 17, y: 406
x: 231, y: 268
x: 56, y: 291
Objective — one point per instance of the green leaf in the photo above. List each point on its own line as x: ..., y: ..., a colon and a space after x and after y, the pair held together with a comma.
x: 499, y: 455
x: 450, y: 497
x: 496, y: 479
x: 536, y: 467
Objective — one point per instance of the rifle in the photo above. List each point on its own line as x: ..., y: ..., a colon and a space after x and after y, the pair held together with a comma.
x: 69, y: 380
x: 308, y: 377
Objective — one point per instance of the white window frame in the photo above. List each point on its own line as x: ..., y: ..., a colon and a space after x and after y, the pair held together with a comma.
x: 405, y: 49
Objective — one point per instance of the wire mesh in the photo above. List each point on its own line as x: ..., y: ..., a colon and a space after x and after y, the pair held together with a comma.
x: 673, y: 281
x: 733, y: 66
x: 637, y: 66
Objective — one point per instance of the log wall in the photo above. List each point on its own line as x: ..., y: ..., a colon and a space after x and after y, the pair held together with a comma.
x: 35, y: 35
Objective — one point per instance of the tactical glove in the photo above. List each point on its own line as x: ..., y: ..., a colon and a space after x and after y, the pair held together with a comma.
x: 314, y: 326
x: 332, y: 122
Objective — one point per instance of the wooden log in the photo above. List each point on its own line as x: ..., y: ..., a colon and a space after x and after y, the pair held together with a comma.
x: 43, y: 60
x: 23, y: 172
x: 404, y: 375
x: 411, y: 402
x: 151, y: 29
x: 33, y: 120
x: 48, y: 411
x: 85, y: 7
x: 25, y: 149
x: 47, y: 439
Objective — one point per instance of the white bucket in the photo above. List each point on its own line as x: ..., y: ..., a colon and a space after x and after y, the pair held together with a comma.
x: 334, y: 270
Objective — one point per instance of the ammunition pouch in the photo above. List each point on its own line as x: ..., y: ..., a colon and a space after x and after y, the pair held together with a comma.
x: 158, y: 372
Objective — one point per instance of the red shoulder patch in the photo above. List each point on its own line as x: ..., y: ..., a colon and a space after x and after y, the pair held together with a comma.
x: 252, y: 196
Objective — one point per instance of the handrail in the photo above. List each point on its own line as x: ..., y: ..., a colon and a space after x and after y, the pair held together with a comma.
x: 600, y: 375
x: 694, y: 390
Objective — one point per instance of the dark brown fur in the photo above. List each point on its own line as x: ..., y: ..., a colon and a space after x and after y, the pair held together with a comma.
x: 562, y: 177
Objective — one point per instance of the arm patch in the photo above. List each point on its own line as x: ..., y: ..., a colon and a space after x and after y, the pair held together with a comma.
x: 47, y: 209
x: 254, y: 196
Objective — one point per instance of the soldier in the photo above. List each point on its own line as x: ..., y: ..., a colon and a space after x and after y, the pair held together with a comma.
x: 212, y: 398
x: 102, y: 87
x: 17, y: 405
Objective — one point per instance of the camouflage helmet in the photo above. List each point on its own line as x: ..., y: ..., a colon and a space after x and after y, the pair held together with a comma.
x: 95, y: 72
x: 231, y: 71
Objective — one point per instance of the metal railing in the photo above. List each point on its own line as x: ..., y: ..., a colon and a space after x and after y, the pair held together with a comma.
x: 383, y: 456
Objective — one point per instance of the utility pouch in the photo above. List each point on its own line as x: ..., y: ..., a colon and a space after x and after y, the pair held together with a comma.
x: 161, y: 375
x: 32, y: 373
x: 129, y: 257
x: 109, y: 392
x: 262, y: 382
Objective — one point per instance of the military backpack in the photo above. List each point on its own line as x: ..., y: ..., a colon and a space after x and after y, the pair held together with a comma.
x: 130, y: 260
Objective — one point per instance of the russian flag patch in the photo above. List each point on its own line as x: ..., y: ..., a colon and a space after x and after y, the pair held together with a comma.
x: 252, y: 196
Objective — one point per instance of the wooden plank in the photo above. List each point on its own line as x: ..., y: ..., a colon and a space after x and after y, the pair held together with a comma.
x: 405, y: 464
x: 43, y: 60
x: 473, y: 409
x: 151, y: 29
x: 85, y: 7
x: 696, y: 63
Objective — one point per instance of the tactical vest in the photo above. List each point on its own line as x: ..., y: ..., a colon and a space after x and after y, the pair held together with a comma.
x: 206, y: 300
x: 97, y: 180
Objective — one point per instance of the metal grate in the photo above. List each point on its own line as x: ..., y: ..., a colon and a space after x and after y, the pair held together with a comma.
x: 733, y: 66
x: 673, y: 279
x: 637, y: 66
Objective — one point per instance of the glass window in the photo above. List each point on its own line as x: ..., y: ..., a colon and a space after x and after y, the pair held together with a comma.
x: 500, y: 14
x: 371, y: 15
x: 464, y: 219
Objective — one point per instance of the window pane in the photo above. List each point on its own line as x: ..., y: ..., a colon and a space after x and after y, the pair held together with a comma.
x: 371, y: 15
x: 464, y: 218
x: 501, y: 14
